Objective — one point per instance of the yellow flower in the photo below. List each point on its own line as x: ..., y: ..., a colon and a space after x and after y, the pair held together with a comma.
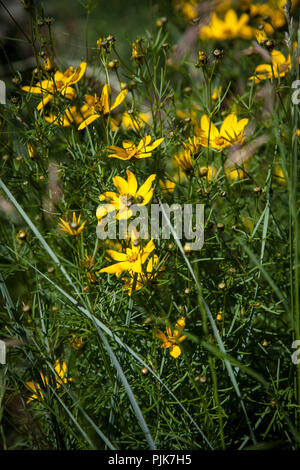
x: 192, y: 145
x: 88, y: 267
x: 137, y: 52
x: 129, y: 150
x: 143, y: 278
x: 192, y: 115
x: 184, y: 160
x: 278, y: 68
x: 60, y: 83
x: 216, y: 93
x: 48, y: 64
x: 260, y: 35
x: 231, y: 132
x: 69, y: 117
x: 31, y: 150
x: 128, y: 194
x: 279, y: 175
x: 234, y: 173
x: 132, y: 260
x: 167, y: 186
x: 100, y: 106
x: 274, y: 9
x: 21, y: 236
x: 130, y: 121
x: 74, y: 228
x: 60, y: 378
x: 76, y: 342
x: 188, y: 8
x: 232, y: 27
x: 173, y: 338
x: 211, y: 173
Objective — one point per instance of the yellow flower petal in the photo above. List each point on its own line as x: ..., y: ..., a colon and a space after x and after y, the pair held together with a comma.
x: 88, y: 121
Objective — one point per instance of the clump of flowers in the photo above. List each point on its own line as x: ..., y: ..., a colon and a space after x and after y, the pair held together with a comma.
x: 278, y: 67
x: 59, y: 84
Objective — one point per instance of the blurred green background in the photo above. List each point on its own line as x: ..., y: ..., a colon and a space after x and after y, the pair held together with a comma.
x: 124, y: 20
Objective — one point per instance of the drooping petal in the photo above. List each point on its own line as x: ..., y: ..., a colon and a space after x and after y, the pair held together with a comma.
x: 105, y: 99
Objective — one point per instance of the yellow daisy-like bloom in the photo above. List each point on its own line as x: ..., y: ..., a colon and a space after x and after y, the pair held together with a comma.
x: 60, y: 83
x: 128, y: 194
x: 184, y: 160
x: 129, y: 150
x: 230, y: 28
x: 278, y: 68
x: 143, y: 278
x: 132, y: 260
x: 130, y: 121
x: 231, y: 132
x: 69, y: 117
x: 171, y: 341
x: 100, y: 106
x: 60, y: 378
x: 167, y: 186
x: 74, y: 228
